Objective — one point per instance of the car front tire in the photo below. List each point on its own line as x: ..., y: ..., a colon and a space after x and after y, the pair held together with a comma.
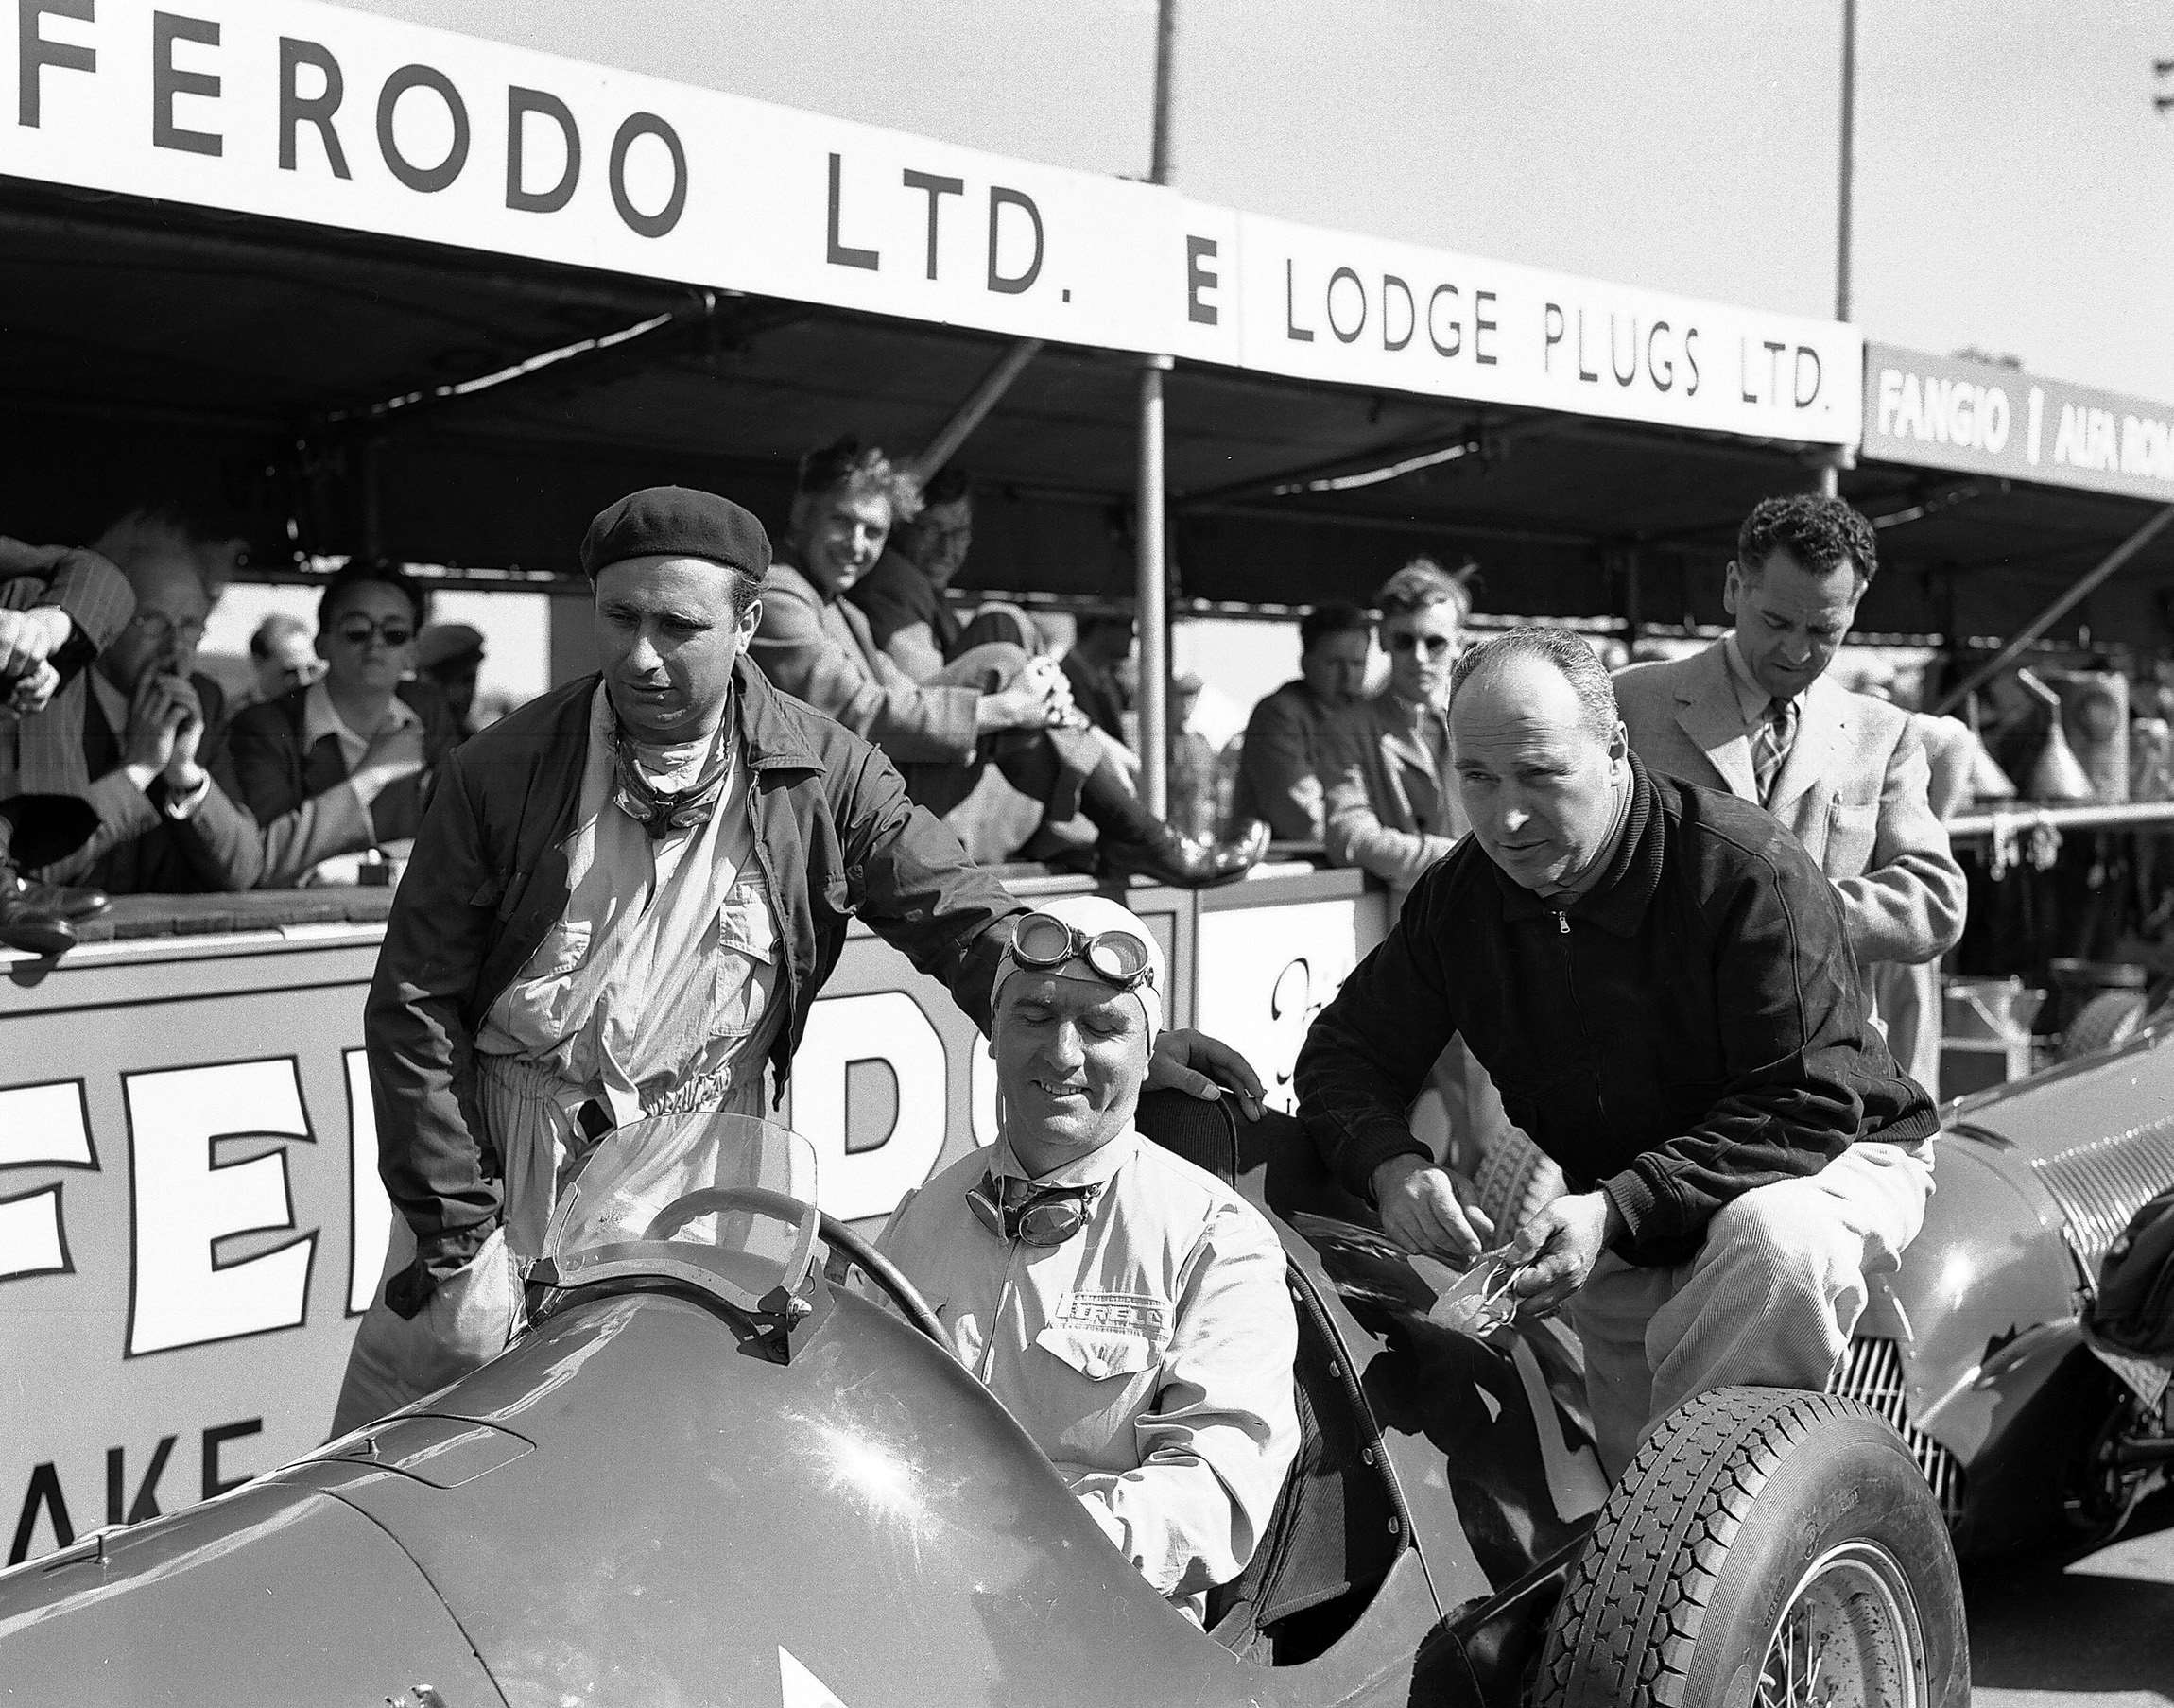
x: 1766, y: 1547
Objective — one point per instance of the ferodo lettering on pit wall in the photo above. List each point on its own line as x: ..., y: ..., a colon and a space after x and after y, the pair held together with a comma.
x: 191, y: 1218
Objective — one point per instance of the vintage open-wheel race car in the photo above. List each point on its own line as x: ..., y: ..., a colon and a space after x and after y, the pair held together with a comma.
x: 716, y: 1468
x: 1976, y: 1350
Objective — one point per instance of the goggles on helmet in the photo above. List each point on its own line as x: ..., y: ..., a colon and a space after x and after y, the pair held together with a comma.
x: 1117, y: 958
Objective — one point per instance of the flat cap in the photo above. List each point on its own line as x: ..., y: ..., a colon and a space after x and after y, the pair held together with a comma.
x: 675, y: 522
x: 447, y: 642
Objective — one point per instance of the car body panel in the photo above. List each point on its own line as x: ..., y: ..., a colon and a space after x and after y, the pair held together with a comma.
x: 868, y: 1485
x: 268, y: 1595
x: 2000, y: 1394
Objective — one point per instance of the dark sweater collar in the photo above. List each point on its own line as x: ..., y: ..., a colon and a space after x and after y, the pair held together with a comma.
x: 1618, y: 902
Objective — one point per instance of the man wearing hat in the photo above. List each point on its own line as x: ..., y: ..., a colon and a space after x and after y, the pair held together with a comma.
x: 449, y: 656
x: 623, y: 900
x: 1129, y: 1308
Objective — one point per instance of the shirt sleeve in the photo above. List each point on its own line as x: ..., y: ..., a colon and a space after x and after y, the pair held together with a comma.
x: 1219, y: 1438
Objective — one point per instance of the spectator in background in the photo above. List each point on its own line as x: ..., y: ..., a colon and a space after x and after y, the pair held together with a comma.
x: 1279, y: 764
x: 992, y: 710
x: 1390, y: 805
x: 349, y: 739
x: 449, y: 656
x: 1756, y: 715
x: 149, y: 735
x: 280, y: 658
x: 903, y: 596
x: 1105, y: 642
x: 59, y: 606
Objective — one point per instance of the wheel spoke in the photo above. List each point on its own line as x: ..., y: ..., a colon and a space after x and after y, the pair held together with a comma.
x: 1848, y: 1637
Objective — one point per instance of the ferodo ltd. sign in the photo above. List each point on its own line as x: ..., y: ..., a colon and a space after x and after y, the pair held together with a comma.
x: 1295, y: 300
x: 1950, y: 412
x: 304, y: 112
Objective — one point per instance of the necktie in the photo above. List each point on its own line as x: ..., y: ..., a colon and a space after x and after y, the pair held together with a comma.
x: 1770, y: 744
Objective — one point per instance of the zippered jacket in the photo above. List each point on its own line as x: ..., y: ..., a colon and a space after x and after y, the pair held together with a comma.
x: 836, y: 837
x: 1693, y: 1027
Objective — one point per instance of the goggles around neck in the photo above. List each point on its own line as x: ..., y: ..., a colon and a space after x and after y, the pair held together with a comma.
x: 1020, y: 1212
x: 1116, y: 957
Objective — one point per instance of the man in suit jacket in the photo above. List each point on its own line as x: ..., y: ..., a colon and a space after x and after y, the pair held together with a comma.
x: 1754, y: 714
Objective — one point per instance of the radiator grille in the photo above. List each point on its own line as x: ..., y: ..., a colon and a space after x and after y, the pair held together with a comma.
x: 1871, y: 1373
x: 2100, y: 1184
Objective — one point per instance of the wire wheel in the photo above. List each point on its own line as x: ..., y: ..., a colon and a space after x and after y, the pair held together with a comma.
x: 1848, y: 1637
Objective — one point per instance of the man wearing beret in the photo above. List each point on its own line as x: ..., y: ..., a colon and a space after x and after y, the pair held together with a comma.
x: 622, y: 901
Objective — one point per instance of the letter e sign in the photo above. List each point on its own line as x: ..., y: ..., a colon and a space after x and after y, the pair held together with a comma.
x: 188, y: 1202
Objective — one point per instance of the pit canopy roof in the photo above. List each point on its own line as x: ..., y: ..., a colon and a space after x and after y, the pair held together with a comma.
x: 247, y: 252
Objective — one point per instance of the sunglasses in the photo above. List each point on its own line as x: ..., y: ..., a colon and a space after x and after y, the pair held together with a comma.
x: 1020, y: 1212
x: 1426, y: 646
x: 394, y: 631
x: 1117, y: 957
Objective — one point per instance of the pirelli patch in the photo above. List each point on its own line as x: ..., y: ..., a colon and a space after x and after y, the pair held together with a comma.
x: 1114, y: 1313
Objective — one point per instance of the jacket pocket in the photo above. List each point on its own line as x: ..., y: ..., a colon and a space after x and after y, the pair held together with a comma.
x: 1853, y: 832
x: 1100, y: 1355
x: 745, y: 965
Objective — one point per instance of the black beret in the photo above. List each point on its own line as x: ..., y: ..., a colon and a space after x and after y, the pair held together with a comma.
x: 676, y: 522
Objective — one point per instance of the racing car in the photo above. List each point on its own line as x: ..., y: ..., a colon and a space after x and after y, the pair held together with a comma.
x: 2030, y: 1436
x: 731, y: 1459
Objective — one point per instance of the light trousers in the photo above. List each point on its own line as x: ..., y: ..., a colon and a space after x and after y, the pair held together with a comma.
x: 1769, y: 1301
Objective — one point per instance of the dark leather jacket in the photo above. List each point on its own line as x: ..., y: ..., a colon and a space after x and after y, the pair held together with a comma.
x: 836, y: 837
x: 1691, y: 1027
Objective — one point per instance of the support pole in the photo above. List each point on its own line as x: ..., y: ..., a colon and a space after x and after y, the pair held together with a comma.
x: 970, y: 414
x: 1166, y: 42
x: 1151, y: 597
x: 1849, y: 163
x: 2058, y: 609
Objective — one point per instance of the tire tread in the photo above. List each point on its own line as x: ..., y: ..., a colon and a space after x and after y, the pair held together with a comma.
x: 1668, y: 1525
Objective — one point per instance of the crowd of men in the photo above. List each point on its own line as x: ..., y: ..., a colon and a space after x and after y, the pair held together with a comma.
x: 124, y: 769
x: 1638, y: 911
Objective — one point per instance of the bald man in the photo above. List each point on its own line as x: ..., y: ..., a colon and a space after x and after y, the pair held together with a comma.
x: 1660, y: 979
